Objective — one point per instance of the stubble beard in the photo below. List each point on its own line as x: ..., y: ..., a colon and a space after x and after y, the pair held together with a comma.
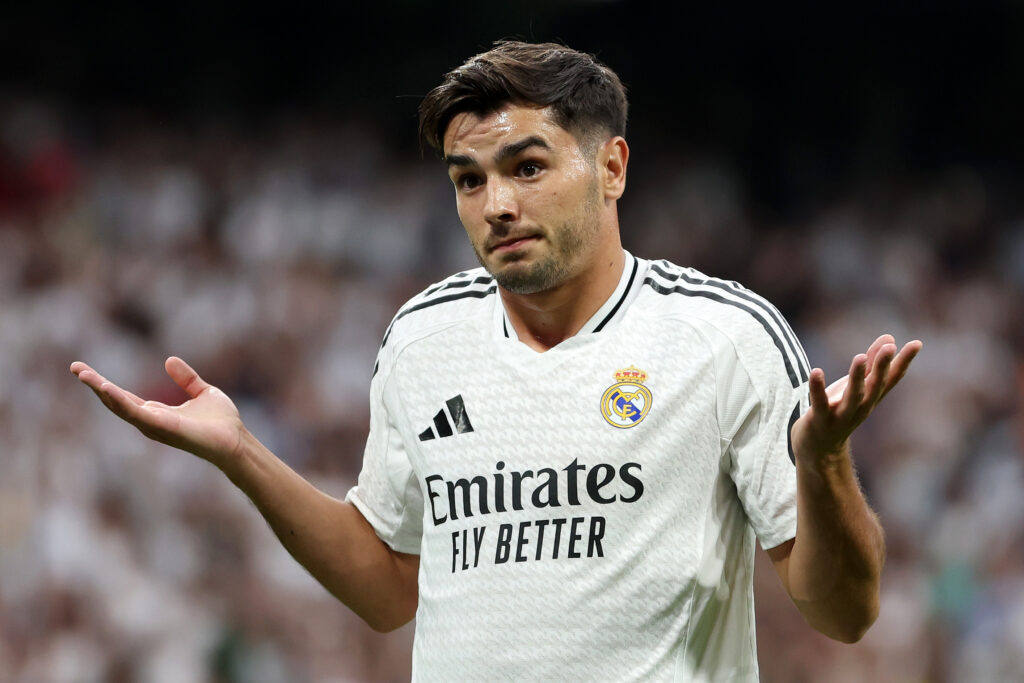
x: 558, y: 262
x: 545, y: 273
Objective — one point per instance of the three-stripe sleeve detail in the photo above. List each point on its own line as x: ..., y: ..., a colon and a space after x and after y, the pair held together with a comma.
x: 734, y: 295
x: 419, y: 306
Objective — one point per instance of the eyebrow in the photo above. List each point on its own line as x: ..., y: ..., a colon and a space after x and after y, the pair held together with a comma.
x: 505, y: 153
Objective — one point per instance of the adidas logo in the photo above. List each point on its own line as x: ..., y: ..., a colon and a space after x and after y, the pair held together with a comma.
x: 459, y: 418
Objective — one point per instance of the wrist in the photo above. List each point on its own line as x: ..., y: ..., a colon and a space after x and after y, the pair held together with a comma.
x: 827, y: 469
x: 235, y: 461
x: 823, y: 457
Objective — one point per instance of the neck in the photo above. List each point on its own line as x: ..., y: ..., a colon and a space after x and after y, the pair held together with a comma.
x: 546, y: 319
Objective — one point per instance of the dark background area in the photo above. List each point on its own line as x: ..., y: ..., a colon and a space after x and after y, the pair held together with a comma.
x: 805, y: 99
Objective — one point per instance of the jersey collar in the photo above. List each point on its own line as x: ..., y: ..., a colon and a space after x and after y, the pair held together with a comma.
x: 606, y: 317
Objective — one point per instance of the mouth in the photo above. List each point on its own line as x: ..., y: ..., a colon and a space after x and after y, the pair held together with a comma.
x: 512, y: 243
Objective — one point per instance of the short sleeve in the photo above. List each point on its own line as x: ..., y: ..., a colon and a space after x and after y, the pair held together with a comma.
x: 762, y: 392
x: 387, y: 492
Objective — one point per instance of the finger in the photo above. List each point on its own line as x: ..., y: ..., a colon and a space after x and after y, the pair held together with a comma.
x: 78, y: 366
x: 95, y: 380
x: 103, y: 397
x: 875, y: 347
x: 854, y: 395
x: 836, y: 389
x: 879, y: 376
x: 124, y: 407
x: 901, y: 363
x: 91, y: 378
x: 817, y: 393
x: 186, y: 378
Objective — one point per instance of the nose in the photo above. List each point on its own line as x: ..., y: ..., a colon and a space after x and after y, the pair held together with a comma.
x: 501, y: 206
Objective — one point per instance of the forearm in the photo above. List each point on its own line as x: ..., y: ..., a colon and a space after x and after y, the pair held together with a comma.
x: 835, y: 565
x: 329, y: 537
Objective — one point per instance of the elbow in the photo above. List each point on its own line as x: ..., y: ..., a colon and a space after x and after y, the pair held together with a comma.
x: 853, y: 624
x: 384, y: 626
x: 390, y: 621
x: 846, y: 617
x: 850, y: 635
x: 389, y: 626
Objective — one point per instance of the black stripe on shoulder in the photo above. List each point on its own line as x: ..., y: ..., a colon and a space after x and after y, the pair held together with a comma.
x: 618, y: 304
x: 469, y: 294
x: 714, y: 296
x: 780, y: 320
x: 448, y: 282
x: 736, y: 290
x: 482, y: 280
x: 458, y: 284
x: 424, y: 301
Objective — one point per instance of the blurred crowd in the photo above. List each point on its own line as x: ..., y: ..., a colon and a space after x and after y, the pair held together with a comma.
x: 272, y: 256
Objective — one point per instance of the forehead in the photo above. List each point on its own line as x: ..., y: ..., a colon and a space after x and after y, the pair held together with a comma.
x: 475, y: 134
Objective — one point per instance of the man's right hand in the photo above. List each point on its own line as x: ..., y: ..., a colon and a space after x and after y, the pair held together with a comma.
x: 329, y: 537
x: 208, y: 424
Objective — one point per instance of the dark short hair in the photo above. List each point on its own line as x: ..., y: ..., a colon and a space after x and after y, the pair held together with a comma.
x: 585, y: 96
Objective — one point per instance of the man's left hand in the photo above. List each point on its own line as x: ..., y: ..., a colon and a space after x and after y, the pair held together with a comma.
x: 836, y: 411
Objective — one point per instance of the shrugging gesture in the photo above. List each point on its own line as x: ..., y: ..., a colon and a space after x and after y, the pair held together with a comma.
x: 329, y: 537
x: 833, y: 568
x: 208, y: 424
x: 838, y: 410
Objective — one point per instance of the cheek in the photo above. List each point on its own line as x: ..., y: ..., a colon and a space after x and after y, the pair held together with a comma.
x: 470, y: 219
x: 580, y: 168
x: 579, y: 181
x: 562, y: 198
x: 463, y: 209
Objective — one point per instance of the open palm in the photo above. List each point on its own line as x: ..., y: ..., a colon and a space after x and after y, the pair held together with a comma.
x: 208, y: 424
x: 836, y: 411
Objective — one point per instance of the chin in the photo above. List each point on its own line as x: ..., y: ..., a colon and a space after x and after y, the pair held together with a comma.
x: 531, y: 279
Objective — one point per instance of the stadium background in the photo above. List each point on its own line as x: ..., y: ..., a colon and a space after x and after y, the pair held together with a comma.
x: 243, y: 187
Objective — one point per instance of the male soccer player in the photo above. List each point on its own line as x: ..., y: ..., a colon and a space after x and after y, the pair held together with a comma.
x: 572, y: 449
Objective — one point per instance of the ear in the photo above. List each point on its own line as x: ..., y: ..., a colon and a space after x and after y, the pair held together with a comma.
x: 612, y: 159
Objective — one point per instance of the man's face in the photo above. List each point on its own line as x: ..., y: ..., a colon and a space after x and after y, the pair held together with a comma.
x: 527, y: 195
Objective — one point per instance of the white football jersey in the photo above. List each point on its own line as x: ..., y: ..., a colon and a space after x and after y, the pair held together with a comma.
x: 588, y: 513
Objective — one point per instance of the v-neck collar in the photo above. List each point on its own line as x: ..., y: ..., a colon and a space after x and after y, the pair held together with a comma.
x: 606, y: 317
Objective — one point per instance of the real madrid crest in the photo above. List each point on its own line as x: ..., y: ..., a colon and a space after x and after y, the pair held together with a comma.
x: 626, y: 403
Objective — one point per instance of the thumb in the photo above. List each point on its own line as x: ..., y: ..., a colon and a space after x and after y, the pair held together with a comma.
x: 185, y: 377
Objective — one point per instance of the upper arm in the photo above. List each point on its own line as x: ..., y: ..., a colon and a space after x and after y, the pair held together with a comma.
x: 388, y: 493
x: 779, y: 556
x: 391, y: 579
x: 756, y: 403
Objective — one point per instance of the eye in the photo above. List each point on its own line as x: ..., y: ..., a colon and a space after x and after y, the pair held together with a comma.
x: 467, y: 181
x: 529, y: 169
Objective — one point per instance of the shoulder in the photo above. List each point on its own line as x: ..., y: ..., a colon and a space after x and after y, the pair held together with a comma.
x: 458, y: 298
x: 756, y: 331
x: 677, y: 290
